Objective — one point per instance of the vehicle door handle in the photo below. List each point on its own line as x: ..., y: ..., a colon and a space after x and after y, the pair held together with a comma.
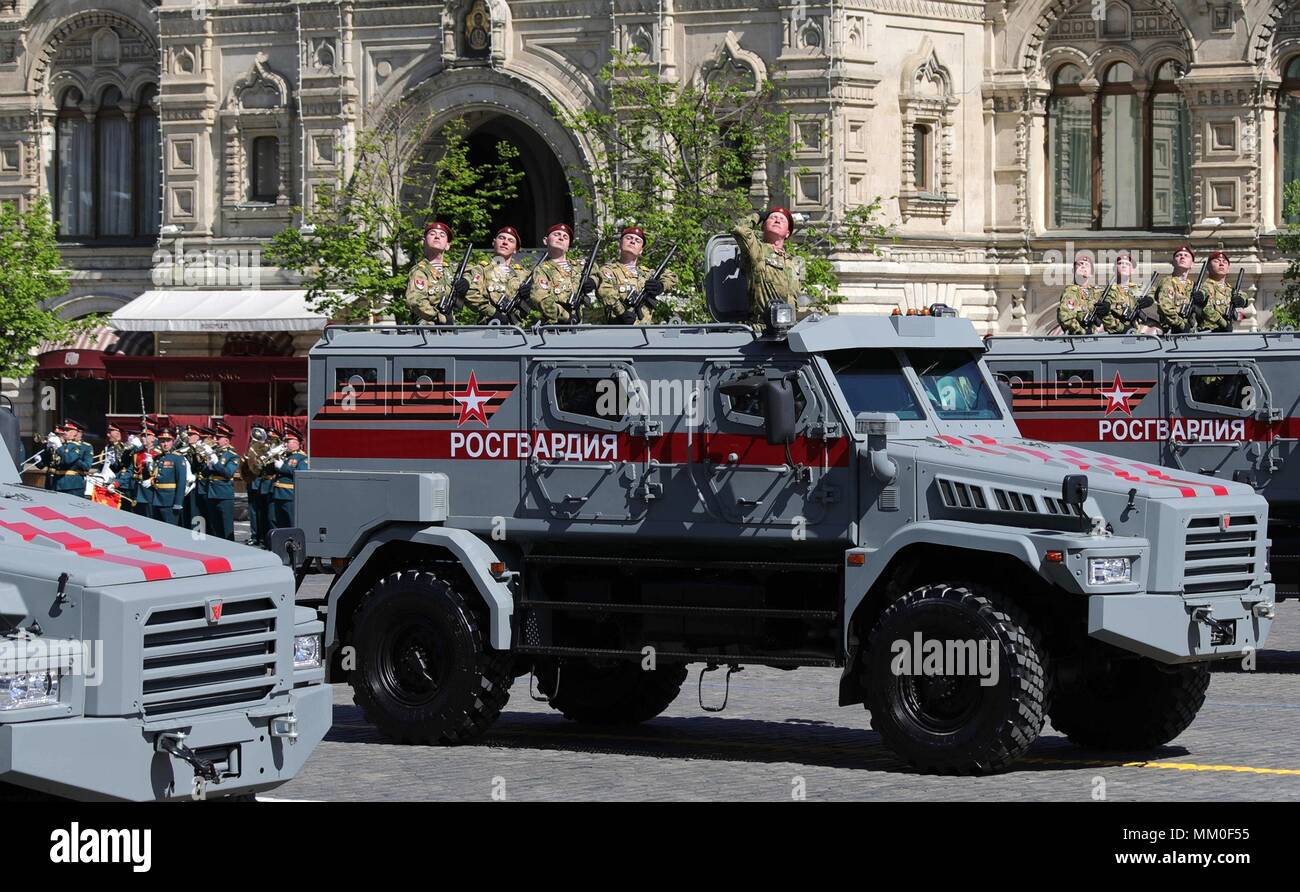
x: 746, y: 503
x: 578, y: 499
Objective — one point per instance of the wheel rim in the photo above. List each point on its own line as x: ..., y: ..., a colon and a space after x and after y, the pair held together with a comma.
x: 941, y: 704
x: 413, y: 661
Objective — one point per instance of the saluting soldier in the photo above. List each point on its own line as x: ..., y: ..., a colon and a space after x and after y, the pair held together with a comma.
x: 496, y: 279
x: 1174, y: 291
x: 556, y: 277
x: 771, y: 274
x: 254, y: 463
x: 221, y: 468
x: 1221, y: 304
x: 1077, y: 300
x: 618, y: 282
x: 286, y: 466
x: 431, y: 278
x: 166, y: 481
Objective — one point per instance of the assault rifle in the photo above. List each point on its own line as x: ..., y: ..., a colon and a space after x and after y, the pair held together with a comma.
x: 576, y: 302
x: 451, y: 299
x: 642, y: 297
x: 510, y: 306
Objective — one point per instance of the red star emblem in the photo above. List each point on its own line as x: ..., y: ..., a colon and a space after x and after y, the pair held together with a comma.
x: 1117, y: 397
x: 472, y: 401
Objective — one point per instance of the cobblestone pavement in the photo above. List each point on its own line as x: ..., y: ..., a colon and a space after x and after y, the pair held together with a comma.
x: 783, y: 732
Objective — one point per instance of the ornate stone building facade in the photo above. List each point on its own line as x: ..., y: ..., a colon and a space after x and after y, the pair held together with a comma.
x: 1002, y: 136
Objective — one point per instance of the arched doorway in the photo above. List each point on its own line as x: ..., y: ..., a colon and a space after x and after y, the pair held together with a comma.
x: 544, y: 196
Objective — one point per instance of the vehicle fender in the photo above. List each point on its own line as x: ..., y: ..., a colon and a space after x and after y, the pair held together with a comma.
x: 472, y: 553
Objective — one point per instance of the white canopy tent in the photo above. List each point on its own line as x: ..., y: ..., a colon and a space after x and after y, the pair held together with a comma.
x: 196, y: 311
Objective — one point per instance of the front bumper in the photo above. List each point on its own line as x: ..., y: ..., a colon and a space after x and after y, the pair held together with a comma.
x: 115, y: 758
x: 1180, y: 629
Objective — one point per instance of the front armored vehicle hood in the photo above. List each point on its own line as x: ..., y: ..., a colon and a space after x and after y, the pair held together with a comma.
x: 47, y: 534
x: 1035, y: 462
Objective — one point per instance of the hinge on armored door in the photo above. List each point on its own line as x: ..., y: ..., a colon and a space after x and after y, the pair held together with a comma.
x: 647, y: 491
x: 830, y: 430
x: 827, y: 495
x: 647, y: 427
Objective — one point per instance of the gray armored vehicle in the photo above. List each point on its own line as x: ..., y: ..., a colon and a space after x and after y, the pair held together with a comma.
x: 1223, y: 405
x: 137, y: 663
x: 601, y: 506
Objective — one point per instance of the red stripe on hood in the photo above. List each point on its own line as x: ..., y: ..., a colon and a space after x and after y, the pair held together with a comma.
x: 132, y: 536
x: 80, y: 547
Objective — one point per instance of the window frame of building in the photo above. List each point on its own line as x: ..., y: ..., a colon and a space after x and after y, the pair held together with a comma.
x: 96, y: 114
x: 927, y: 103
x: 1289, y: 89
x: 1104, y: 87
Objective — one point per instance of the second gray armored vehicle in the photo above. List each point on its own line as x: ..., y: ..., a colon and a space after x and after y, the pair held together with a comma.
x: 601, y: 506
x: 138, y: 662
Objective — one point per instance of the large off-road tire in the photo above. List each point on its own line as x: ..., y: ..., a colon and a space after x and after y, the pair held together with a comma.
x: 617, y: 692
x: 424, y: 673
x: 951, y: 723
x: 1132, y: 704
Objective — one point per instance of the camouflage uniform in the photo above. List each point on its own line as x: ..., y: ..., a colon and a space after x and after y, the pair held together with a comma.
x: 1075, y: 305
x: 426, y: 288
x: 1218, y: 313
x: 1172, y: 294
x: 491, y: 283
x: 553, y: 285
x: 617, y: 282
x: 770, y: 275
x: 1123, y: 303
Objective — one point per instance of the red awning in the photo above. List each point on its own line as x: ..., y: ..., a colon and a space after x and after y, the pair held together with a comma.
x: 64, y: 364
x: 221, y: 369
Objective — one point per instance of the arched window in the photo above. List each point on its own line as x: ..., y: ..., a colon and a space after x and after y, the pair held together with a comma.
x: 107, y: 163
x: 1114, y: 162
x: 1069, y: 151
x: 1121, y: 150
x: 148, y: 158
x: 1169, y: 152
x: 75, y: 155
x: 1288, y: 129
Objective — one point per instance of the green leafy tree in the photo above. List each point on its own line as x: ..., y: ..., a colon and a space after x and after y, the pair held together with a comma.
x: 679, y: 160
x: 1286, y: 312
x: 358, y: 242
x: 31, y: 274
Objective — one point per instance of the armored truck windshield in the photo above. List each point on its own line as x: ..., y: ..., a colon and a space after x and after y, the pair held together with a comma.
x: 955, y: 384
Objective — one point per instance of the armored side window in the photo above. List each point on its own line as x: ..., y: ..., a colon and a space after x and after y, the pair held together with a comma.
x: 749, y: 409
x: 419, y: 385
x: 600, y: 397
x: 873, y: 381
x: 1229, y: 391
x: 1074, y: 381
x: 358, y: 386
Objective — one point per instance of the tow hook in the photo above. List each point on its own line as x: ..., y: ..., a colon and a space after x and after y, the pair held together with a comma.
x: 726, y: 693
x: 172, y: 743
x: 1264, y: 610
x: 1222, y: 631
x: 285, y: 726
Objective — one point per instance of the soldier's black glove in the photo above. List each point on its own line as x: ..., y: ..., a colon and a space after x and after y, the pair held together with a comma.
x: 460, y: 288
x: 653, y: 288
x: 525, y: 293
x: 1199, y: 299
x: 1101, y: 308
x: 628, y: 317
x: 588, y: 285
x: 1238, y: 302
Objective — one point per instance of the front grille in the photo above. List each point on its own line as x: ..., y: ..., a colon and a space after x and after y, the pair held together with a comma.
x: 191, y: 664
x: 1221, y: 558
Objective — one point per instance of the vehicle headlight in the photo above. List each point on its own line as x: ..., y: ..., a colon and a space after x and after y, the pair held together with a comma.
x: 1110, y: 570
x: 306, y: 652
x: 25, y: 689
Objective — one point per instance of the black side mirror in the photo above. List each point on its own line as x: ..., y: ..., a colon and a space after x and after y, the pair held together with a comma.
x: 1074, y: 489
x: 779, y: 411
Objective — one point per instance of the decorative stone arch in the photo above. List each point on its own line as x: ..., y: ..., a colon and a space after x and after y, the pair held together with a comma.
x: 457, y: 91
x: 1158, y: 55
x: 76, y: 305
x: 92, y: 20
x: 731, y: 56
x: 61, y: 82
x: 1260, y: 50
x: 1057, y: 56
x: 1108, y: 56
x: 1049, y: 11
x: 256, y: 105
x: 105, y: 79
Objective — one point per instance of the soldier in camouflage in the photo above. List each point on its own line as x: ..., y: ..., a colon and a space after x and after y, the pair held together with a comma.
x: 496, y: 279
x: 1221, y: 302
x: 1077, y: 300
x: 771, y: 274
x: 556, y: 278
x: 431, y: 278
x: 1122, y: 302
x: 616, y: 283
x: 1174, y: 291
